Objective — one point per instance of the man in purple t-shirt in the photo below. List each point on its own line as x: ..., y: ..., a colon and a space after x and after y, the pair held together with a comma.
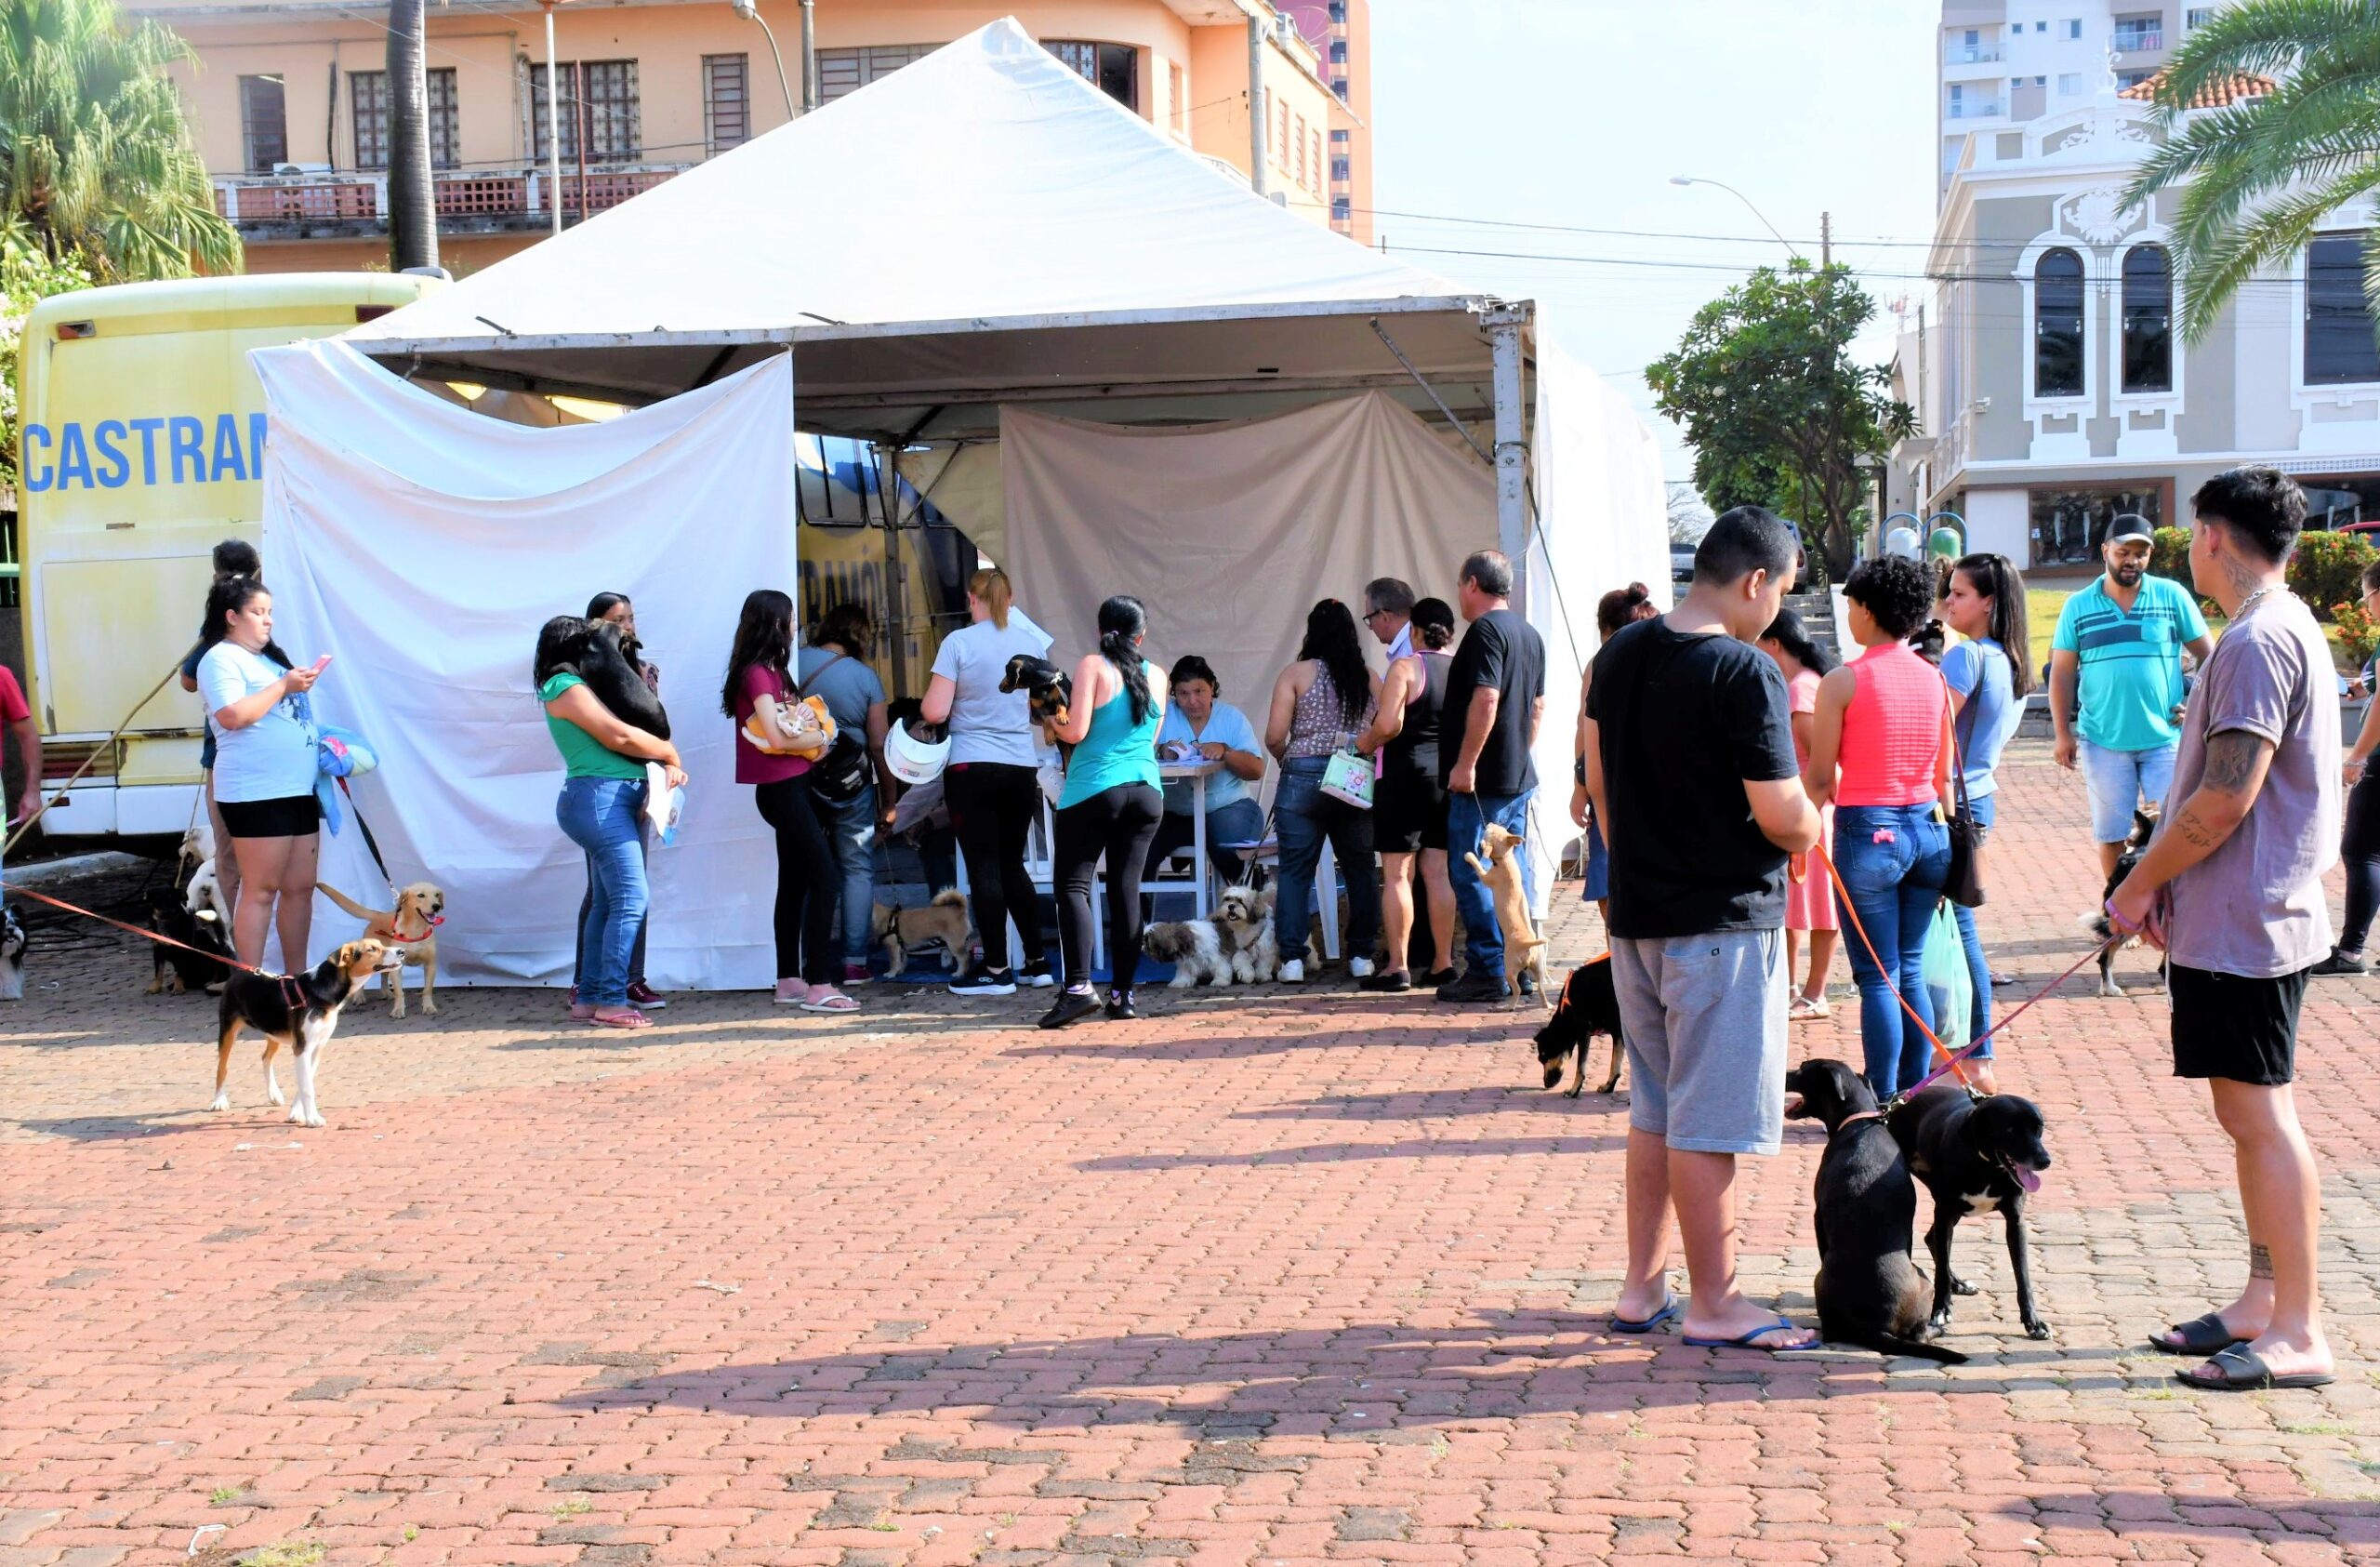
x: 2251, y: 825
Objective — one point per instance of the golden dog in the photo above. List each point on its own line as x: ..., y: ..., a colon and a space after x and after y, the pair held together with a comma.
x: 1524, y: 948
x: 409, y: 931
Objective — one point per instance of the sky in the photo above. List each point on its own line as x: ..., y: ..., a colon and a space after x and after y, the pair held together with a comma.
x: 1576, y: 113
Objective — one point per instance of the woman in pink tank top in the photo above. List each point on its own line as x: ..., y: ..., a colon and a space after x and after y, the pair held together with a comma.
x: 1880, y: 749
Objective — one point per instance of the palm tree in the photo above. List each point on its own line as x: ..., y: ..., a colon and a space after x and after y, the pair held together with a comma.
x: 413, y: 201
x: 2260, y: 175
x: 96, y: 157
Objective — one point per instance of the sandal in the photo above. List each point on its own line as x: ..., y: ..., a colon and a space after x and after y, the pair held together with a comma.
x: 624, y: 1018
x: 2200, y: 1336
x: 2242, y: 1370
x: 825, y: 998
x: 792, y: 992
x: 1744, y: 1339
x: 1804, y: 1009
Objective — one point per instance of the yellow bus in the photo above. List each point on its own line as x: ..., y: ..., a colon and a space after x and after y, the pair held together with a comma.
x: 140, y: 446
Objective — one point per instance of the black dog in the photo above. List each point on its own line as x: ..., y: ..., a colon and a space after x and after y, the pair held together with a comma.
x: 599, y: 658
x: 1589, y: 1006
x: 1974, y: 1155
x: 170, y: 916
x: 1868, y: 1290
x: 1049, y: 691
x: 2144, y: 826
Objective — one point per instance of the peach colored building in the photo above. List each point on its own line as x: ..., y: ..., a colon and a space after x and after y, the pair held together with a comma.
x: 290, y: 101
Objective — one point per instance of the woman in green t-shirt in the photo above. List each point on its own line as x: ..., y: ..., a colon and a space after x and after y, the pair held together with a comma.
x: 602, y: 810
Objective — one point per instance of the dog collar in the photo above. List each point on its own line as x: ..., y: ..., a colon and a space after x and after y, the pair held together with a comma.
x: 1854, y: 1119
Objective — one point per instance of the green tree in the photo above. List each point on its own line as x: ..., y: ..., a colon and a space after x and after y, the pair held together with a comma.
x: 2260, y: 178
x: 96, y: 158
x: 1776, y: 409
x: 26, y: 277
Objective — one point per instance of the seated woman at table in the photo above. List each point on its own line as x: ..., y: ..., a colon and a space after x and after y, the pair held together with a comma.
x: 1198, y: 725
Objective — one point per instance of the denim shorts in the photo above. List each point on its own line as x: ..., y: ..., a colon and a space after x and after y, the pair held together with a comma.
x: 2121, y: 780
x: 1704, y: 1018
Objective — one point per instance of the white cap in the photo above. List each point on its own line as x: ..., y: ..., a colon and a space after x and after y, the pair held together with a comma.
x: 911, y: 759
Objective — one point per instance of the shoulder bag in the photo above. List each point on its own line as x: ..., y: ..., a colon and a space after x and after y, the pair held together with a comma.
x: 1963, y: 883
x: 842, y: 771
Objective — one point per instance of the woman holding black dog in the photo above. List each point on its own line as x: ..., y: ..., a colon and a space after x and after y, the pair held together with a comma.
x: 601, y: 809
x: 1880, y: 749
x: 760, y: 681
x: 614, y: 609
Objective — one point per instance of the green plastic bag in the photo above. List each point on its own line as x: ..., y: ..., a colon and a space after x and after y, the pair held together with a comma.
x: 1946, y: 979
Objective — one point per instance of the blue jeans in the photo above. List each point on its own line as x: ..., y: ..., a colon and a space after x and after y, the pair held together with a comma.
x: 605, y: 818
x: 850, y: 838
x: 1978, y: 971
x: 1467, y: 818
x: 1303, y: 818
x: 586, y: 906
x: 1894, y: 860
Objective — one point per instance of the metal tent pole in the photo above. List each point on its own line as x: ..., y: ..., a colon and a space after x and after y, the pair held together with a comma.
x: 554, y: 121
x: 1505, y: 323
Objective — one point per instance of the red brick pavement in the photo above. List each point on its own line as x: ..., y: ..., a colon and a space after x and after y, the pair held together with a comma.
x: 1288, y: 1276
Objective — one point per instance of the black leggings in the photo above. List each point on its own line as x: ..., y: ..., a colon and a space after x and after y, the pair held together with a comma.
x: 992, y: 809
x: 1117, y: 823
x: 807, y: 882
x: 2360, y: 847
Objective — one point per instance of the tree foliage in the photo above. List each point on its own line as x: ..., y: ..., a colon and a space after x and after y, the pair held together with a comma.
x: 96, y: 158
x: 2260, y: 178
x: 26, y: 277
x: 1776, y: 407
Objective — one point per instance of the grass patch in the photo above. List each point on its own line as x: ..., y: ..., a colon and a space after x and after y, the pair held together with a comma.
x: 411, y: 1534
x: 571, y: 1507
x: 285, y: 1553
x: 222, y: 1495
x: 2318, y: 1428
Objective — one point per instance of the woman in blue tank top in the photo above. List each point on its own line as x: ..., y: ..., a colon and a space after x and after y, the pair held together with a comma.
x: 1112, y: 806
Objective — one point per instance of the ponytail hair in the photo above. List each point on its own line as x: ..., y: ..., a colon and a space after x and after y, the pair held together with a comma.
x: 1787, y: 633
x: 1997, y: 579
x: 229, y: 595
x: 1624, y: 607
x: 1121, y: 622
x: 991, y: 585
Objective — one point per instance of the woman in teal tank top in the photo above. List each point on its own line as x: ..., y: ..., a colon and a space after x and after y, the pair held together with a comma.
x: 1112, y: 805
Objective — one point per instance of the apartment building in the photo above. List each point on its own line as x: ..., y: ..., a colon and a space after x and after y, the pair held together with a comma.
x: 2005, y: 63
x: 2053, y: 390
x: 291, y: 102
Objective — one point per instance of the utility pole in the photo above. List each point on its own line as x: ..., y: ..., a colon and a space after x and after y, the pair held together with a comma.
x: 1256, y: 118
x: 1826, y: 239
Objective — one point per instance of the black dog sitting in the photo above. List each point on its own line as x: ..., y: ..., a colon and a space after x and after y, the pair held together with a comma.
x: 1049, y: 691
x: 2144, y: 827
x: 1589, y: 1006
x: 597, y: 657
x: 170, y: 916
x: 1974, y: 1155
x: 1869, y: 1289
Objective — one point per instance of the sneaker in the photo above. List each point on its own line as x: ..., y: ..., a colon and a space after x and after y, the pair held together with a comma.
x: 643, y: 995
x: 857, y: 974
x: 1394, y: 980
x: 1073, y: 1007
x: 1293, y: 971
x: 2340, y: 962
x: 1119, y: 1006
x: 1473, y: 989
x: 1037, y: 975
x: 1359, y: 968
x: 986, y: 982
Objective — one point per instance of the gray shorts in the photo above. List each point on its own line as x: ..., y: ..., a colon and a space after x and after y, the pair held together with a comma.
x: 1705, y: 1019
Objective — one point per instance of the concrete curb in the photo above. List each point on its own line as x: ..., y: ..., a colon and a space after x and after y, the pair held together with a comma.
x: 46, y: 872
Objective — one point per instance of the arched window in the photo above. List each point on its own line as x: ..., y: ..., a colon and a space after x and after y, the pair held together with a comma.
x: 2147, y: 320
x: 2058, y: 324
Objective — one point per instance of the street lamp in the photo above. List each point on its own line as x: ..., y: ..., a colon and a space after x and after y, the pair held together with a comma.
x: 1692, y: 180
x: 750, y: 11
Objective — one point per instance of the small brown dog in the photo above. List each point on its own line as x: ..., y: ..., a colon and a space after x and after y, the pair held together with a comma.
x: 897, y: 929
x: 410, y: 930
x: 1524, y: 948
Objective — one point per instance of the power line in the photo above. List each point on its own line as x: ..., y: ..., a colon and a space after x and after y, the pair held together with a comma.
x: 2099, y: 283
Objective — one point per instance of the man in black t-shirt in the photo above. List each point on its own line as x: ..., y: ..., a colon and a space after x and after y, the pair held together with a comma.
x: 1495, y: 696
x: 1689, y: 762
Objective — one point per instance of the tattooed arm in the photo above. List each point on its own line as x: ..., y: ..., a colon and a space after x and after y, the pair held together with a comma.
x: 2236, y: 764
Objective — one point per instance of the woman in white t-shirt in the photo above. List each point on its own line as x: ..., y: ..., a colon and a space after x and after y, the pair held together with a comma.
x: 992, y: 785
x: 265, y: 767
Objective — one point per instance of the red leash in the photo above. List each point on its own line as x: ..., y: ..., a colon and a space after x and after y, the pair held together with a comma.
x: 150, y: 935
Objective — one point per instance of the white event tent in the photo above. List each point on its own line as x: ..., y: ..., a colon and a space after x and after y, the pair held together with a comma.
x: 1045, y: 268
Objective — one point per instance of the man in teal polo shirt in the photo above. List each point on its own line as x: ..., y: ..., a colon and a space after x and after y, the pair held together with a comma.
x: 2122, y: 639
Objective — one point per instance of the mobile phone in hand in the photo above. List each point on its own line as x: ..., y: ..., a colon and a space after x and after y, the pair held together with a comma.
x: 322, y: 663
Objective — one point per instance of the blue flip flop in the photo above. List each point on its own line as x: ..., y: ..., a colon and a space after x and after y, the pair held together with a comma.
x: 1744, y: 1341
x: 1671, y: 1307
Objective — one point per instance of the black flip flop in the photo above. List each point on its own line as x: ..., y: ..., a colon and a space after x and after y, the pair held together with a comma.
x: 2243, y: 1371
x: 2201, y: 1337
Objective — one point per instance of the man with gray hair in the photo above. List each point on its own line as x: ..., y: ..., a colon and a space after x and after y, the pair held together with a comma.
x: 1495, y: 696
x: 1388, y: 614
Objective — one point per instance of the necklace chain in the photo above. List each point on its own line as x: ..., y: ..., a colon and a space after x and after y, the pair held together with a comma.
x: 2249, y: 603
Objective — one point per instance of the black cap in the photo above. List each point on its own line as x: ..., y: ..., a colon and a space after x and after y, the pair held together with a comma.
x: 2131, y: 525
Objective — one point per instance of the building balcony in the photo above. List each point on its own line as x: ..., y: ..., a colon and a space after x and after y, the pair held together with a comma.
x: 314, y: 206
x: 1974, y: 109
x: 2137, y: 40
x: 1972, y: 54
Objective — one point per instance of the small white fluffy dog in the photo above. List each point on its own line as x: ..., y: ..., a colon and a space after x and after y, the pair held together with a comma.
x: 206, y: 893
x: 1234, y: 945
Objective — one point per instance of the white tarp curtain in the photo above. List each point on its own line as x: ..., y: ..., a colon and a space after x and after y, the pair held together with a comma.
x: 423, y: 545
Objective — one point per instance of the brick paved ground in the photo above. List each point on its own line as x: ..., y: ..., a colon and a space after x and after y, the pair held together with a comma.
x: 1285, y: 1277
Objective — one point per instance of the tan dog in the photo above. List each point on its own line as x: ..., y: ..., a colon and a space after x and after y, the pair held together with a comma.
x: 409, y: 931
x: 897, y: 930
x: 1524, y: 948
